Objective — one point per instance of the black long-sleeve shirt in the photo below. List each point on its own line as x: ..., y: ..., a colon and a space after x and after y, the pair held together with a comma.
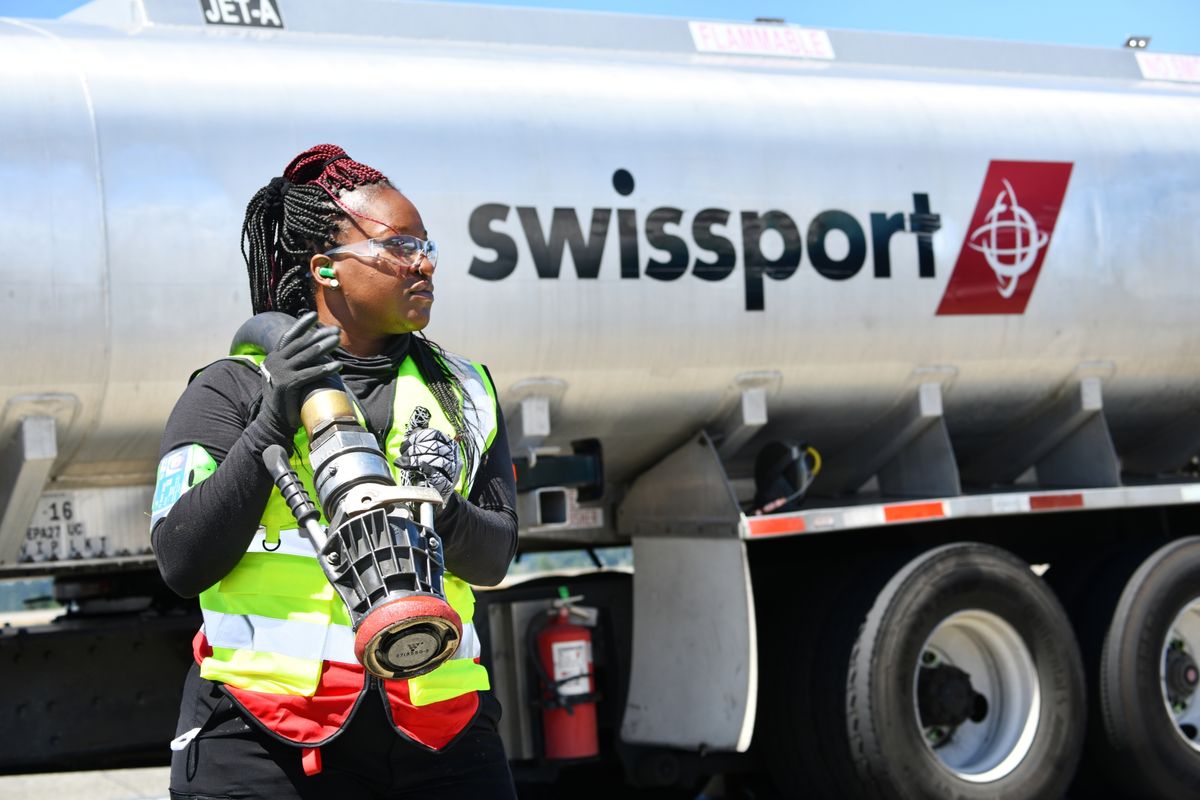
x: 209, y: 527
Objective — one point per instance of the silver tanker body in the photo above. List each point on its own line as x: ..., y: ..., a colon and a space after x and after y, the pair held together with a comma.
x: 651, y: 231
x: 135, y: 152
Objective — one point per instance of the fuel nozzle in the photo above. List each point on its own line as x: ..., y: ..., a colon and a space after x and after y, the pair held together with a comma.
x: 385, y: 565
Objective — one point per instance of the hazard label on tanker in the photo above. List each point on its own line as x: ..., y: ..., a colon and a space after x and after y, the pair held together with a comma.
x: 59, y: 530
x: 1169, y: 67
x: 571, y: 660
x: 788, y: 41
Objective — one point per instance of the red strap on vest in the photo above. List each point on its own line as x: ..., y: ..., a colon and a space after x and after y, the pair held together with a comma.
x: 310, y: 757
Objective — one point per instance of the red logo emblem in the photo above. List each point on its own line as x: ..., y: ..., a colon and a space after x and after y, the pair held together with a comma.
x: 1007, y: 239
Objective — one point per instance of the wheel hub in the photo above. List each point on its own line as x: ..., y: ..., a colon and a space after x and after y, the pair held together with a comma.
x: 976, y: 695
x: 1179, y: 673
x: 945, y: 697
x: 1182, y: 675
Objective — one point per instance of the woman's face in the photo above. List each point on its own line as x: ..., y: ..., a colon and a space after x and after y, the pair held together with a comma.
x: 378, y: 297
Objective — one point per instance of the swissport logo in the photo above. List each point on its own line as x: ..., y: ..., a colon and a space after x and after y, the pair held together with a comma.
x: 998, y: 263
x: 1007, y: 239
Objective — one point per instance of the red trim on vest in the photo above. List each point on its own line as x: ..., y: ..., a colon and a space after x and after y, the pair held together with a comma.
x: 310, y: 757
x: 200, y: 648
x: 434, y: 725
x: 303, y: 720
x: 312, y: 720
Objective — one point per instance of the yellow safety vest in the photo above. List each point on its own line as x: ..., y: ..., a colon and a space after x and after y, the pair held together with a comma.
x: 275, y: 619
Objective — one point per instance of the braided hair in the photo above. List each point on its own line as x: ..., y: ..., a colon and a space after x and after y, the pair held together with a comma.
x: 302, y: 213
x: 294, y: 216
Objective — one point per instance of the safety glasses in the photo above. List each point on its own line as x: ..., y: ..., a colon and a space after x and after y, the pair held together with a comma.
x: 405, y: 251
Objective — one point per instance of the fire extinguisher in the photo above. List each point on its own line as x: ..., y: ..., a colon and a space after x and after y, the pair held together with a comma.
x: 561, y: 651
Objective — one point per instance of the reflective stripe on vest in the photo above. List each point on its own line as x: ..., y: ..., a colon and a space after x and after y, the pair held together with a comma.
x: 275, y: 619
x: 300, y: 639
x: 298, y: 629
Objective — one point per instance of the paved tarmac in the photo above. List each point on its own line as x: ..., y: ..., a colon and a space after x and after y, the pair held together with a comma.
x: 149, y: 783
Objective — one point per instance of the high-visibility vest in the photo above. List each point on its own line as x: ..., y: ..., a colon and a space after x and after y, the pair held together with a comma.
x: 279, y: 637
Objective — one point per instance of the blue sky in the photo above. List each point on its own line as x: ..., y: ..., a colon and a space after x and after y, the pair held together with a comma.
x: 1174, y: 25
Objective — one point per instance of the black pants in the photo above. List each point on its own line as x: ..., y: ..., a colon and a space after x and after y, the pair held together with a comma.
x: 234, y: 759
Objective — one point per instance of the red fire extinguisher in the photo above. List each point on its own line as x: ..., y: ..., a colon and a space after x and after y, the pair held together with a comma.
x: 562, y: 655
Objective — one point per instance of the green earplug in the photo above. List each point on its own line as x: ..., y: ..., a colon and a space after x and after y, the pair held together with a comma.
x: 325, y: 272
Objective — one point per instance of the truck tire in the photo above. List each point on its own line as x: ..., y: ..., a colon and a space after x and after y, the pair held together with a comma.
x: 1148, y: 676
x: 965, y: 681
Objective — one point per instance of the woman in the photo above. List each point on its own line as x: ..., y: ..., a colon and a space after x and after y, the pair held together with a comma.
x: 276, y: 705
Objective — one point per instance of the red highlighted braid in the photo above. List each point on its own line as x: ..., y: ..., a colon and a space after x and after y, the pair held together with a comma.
x: 294, y: 216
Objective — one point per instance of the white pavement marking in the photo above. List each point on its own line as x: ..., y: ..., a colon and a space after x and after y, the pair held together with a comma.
x: 148, y: 783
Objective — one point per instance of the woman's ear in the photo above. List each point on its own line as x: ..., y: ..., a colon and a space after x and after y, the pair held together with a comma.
x: 322, y: 270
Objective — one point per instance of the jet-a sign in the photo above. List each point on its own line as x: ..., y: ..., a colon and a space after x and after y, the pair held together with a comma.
x: 252, y: 13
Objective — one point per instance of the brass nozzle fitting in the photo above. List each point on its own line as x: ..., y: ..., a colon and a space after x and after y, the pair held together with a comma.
x: 323, y: 406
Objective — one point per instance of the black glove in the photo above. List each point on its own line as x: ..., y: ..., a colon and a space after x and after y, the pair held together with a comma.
x: 289, y: 371
x: 434, y: 455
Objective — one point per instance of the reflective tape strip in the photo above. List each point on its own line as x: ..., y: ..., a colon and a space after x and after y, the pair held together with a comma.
x: 339, y: 644
x: 291, y: 638
x: 866, y: 517
x: 300, y: 639
x: 469, y: 646
x: 906, y: 512
x: 775, y: 526
x: 1046, y: 502
x: 460, y: 597
x: 479, y: 403
x: 485, y: 412
x: 492, y: 401
x: 821, y: 521
x: 273, y: 673
x: 452, y: 679
x: 291, y: 543
x: 967, y: 506
x: 1010, y: 504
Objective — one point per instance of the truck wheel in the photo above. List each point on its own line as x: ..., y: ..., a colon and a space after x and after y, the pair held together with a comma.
x: 965, y: 681
x: 1149, y: 675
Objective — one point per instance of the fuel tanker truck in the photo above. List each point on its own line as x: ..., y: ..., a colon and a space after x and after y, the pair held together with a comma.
x: 881, y: 352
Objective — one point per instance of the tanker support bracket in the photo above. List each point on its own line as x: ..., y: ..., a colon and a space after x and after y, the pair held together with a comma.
x: 25, y: 464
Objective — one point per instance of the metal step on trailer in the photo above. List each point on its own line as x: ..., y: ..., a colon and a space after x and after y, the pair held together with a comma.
x: 821, y: 520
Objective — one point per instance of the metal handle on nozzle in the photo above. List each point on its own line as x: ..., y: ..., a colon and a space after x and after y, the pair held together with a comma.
x: 276, y: 461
